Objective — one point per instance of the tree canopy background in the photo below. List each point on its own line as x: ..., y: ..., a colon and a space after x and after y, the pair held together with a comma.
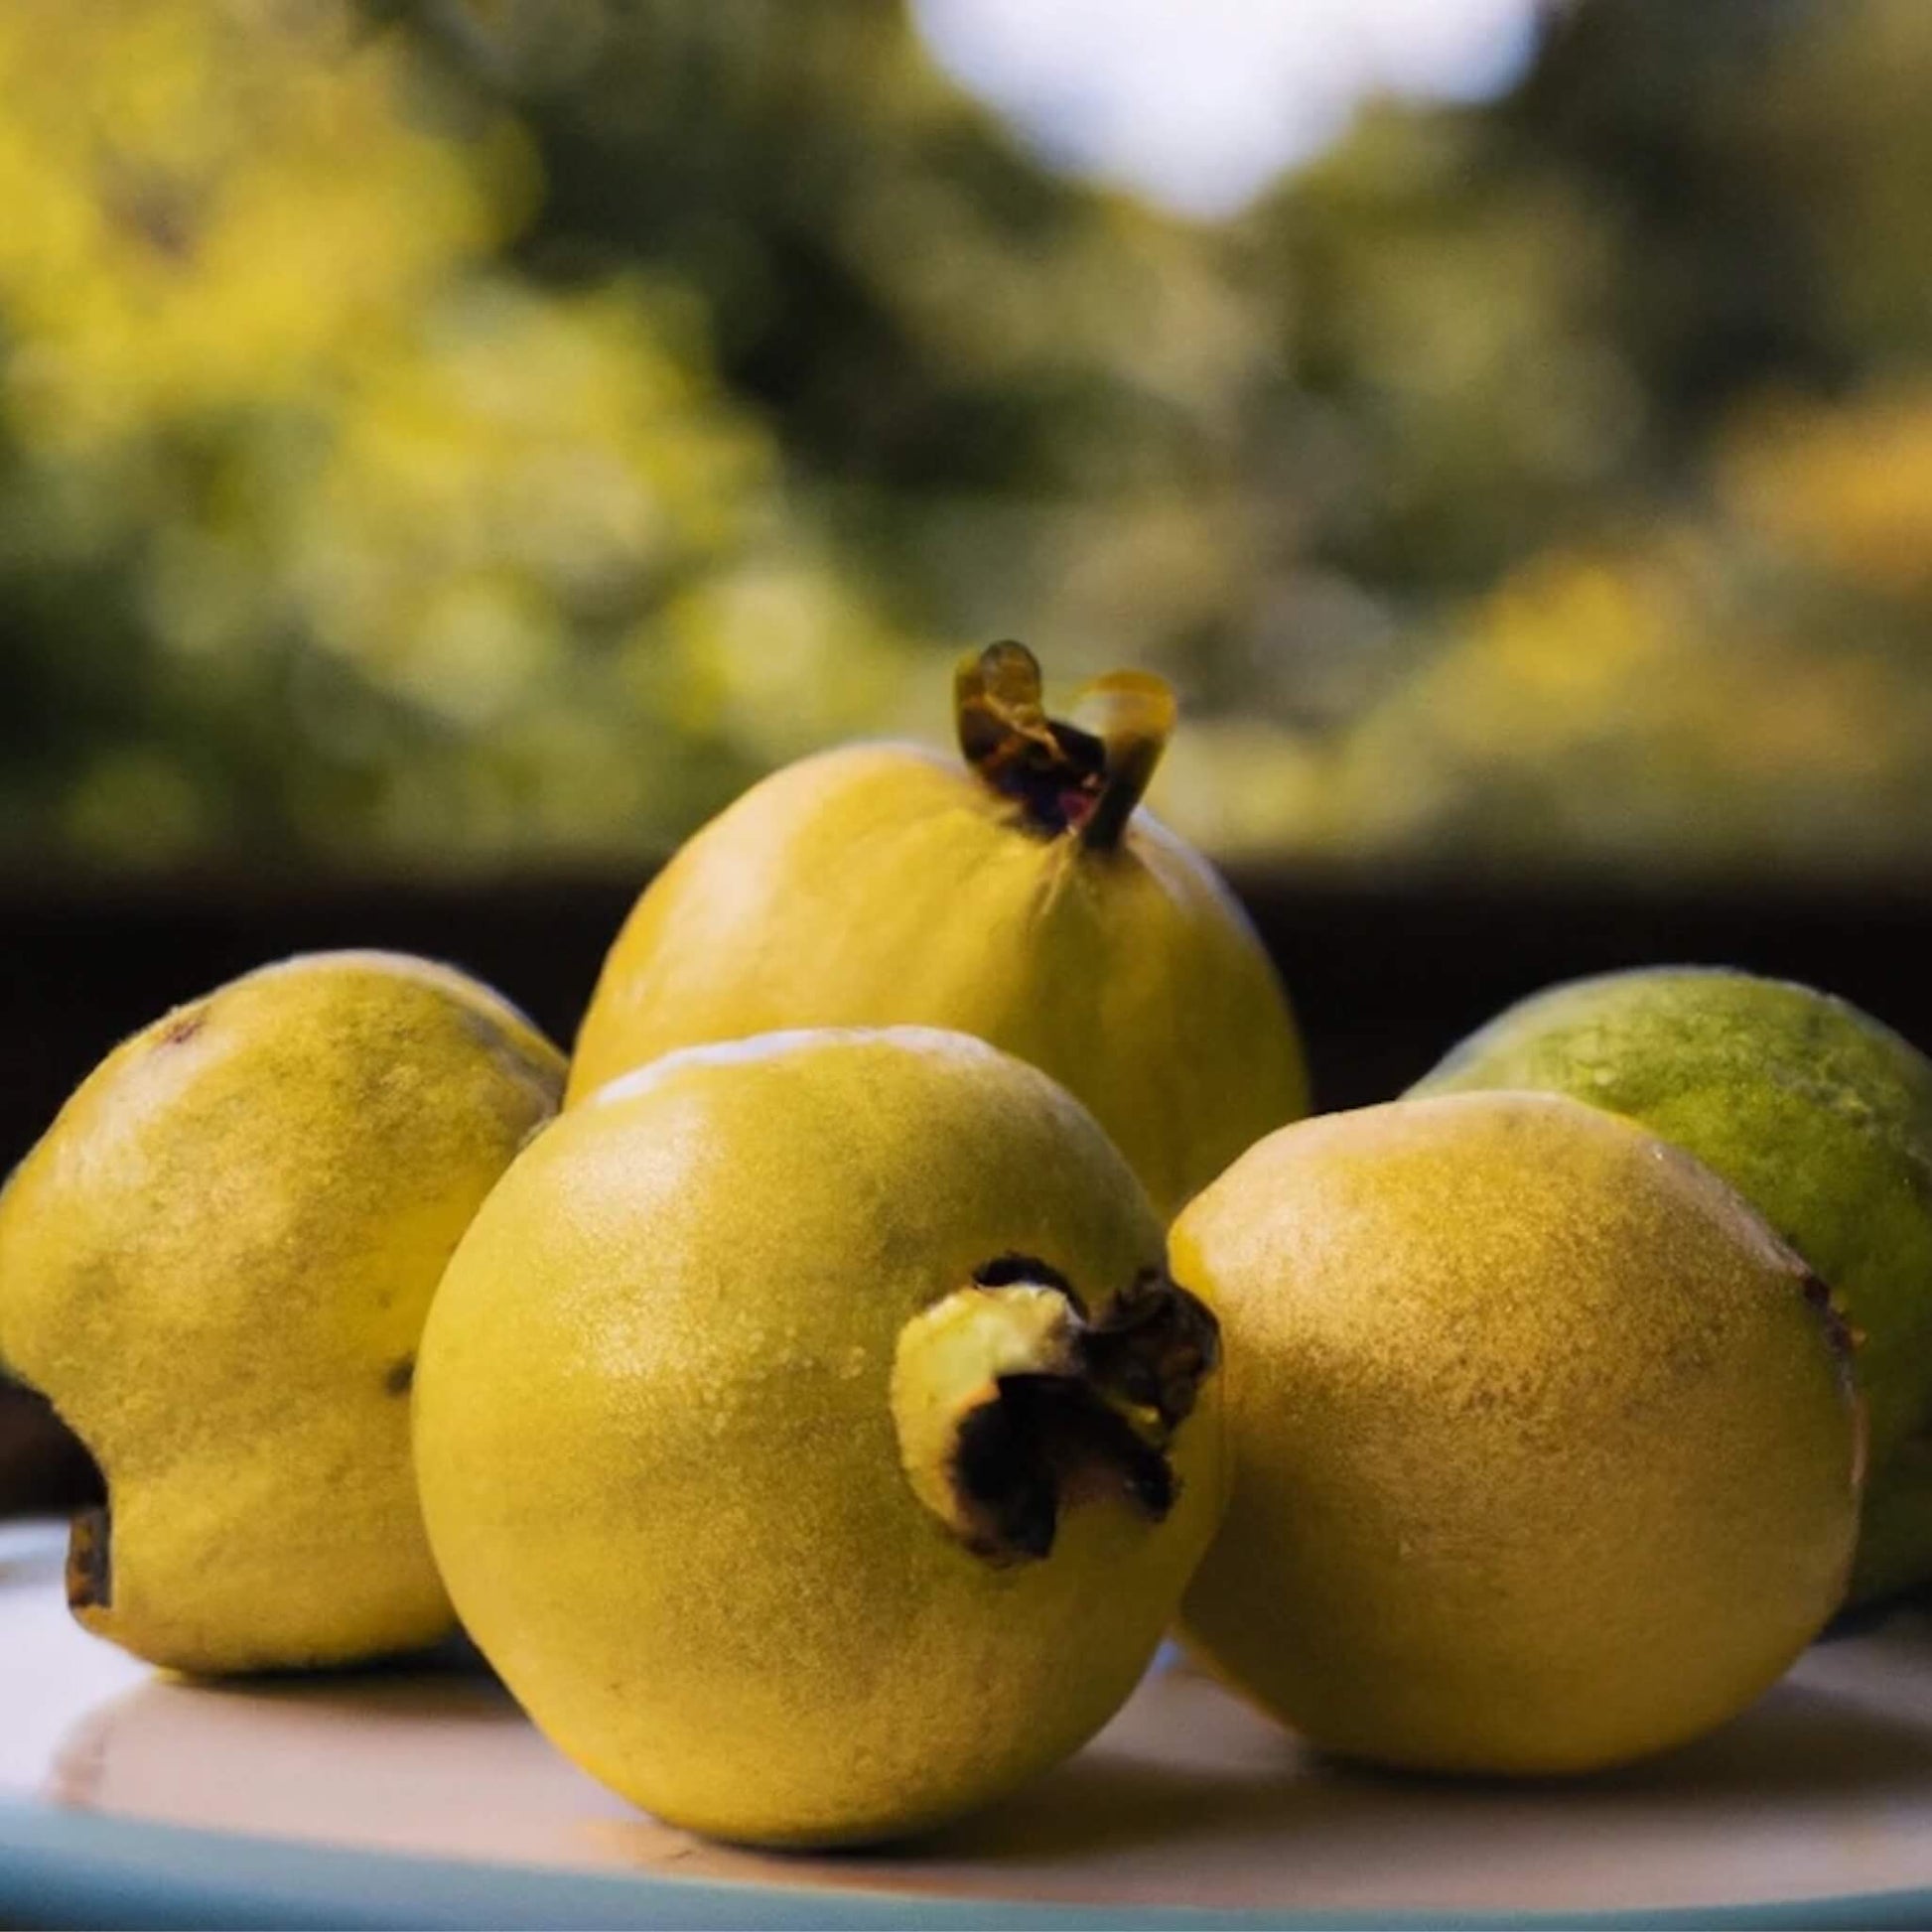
x: 450, y: 431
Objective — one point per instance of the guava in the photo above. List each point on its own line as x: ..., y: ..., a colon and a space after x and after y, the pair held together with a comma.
x: 1547, y: 1449
x: 216, y: 1264
x: 811, y: 1437
x: 1020, y: 895
x: 1821, y: 1118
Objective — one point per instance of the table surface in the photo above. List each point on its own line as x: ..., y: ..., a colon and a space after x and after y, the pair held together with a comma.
x: 1822, y: 1791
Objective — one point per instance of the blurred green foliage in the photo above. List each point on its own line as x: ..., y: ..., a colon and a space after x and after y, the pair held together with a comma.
x: 449, y: 431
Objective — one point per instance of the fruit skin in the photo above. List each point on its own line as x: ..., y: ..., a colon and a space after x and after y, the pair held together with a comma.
x: 1547, y: 1451
x: 655, y: 1438
x: 1819, y: 1117
x: 884, y: 885
x: 215, y: 1264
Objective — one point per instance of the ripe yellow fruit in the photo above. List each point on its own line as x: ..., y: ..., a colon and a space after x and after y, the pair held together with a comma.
x: 809, y: 1434
x: 1020, y: 897
x: 1822, y: 1119
x: 216, y: 1264
x: 1547, y: 1449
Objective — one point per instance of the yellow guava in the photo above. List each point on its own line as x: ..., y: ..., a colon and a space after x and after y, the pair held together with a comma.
x: 810, y: 1434
x: 1547, y: 1450
x: 1822, y: 1119
x: 1020, y: 895
x: 215, y: 1264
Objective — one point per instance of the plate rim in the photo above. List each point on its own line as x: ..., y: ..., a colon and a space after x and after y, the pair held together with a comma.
x: 68, y: 1865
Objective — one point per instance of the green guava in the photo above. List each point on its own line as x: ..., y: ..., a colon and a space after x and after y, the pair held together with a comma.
x: 1821, y: 1116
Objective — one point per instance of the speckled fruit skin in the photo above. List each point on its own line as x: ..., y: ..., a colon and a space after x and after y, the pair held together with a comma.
x: 662, y: 1477
x: 1821, y: 1118
x: 1546, y: 1457
x: 215, y: 1264
x: 881, y: 885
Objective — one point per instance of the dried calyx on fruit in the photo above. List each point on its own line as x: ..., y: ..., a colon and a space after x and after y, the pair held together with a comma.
x: 1012, y: 1403
x: 1083, y: 775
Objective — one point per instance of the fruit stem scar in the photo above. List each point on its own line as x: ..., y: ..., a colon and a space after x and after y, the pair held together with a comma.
x: 90, y: 1569
x: 1085, y: 776
x: 1844, y: 1340
x: 1011, y: 1404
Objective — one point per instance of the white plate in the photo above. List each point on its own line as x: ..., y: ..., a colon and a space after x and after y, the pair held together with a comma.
x: 425, y: 1797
